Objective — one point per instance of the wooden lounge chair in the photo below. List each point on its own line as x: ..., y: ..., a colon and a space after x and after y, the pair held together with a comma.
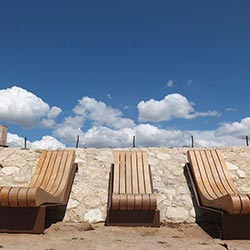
x: 23, y: 209
x: 131, y: 201
x: 216, y: 194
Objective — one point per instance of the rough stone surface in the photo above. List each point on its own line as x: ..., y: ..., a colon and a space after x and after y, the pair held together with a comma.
x: 88, y: 199
x: 10, y: 170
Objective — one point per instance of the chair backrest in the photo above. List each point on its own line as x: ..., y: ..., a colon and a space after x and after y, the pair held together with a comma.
x: 211, y: 174
x: 53, y: 171
x: 131, y: 173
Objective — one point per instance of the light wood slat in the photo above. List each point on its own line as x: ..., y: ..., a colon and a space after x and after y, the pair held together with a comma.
x: 145, y: 202
x: 67, y: 169
x: 13, y: 194
x: 128, y: 173
x: 4, y: 196
x: 116, y: 178
x: 38, y: 170
x: 197, y: 173
x: 245, y: 204
x: 49, y: 171
x: 215, y: 173
x: 140, y: 173
x: 134, y: 173
x: 223, y: 178
x: 204, y: 176
x: 122, y: 173
x: 53, y: 177
x: 147, y: 176
x: 43, y: 169
x: 227, y: 175
x: 60, y: 173
x: 22, y: 197
x: 210, y: 175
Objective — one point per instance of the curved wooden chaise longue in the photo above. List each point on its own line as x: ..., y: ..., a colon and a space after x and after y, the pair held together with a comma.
x: 131, y: 200
x: 216, y: 195
x: 23, y: 209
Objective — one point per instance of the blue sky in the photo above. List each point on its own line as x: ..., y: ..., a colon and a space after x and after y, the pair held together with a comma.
x: 163, y: 70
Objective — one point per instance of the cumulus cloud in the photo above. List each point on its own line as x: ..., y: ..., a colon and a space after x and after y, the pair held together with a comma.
x: 238, y: 129
x: 21, y: 107
x: 48, y: 142
x: 172, y: 106
x: 101, y: 114
x: 89, y: 111
x: 14, y: 140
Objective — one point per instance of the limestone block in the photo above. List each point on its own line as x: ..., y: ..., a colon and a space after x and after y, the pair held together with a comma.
x: 177, y: 214
x: 170, y: 194
x: 231, y: 166
x: 72, y: 203
x: 153, y: 161
x: 163, y: 156
x: 93, y: 215
x: 91, y: 201
x: 10, y: 170
x: 241, y: 174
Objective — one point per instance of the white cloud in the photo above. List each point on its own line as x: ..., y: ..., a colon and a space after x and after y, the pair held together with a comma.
x: 172, y: 106
x: 21, y: 107
x: 48, y: 142
x: 189, y: 82
x: 148, y: 135
x: 101, y: 114
x: 14, y: 140
x: 109, y: 96
x: 238, y: 129
x: 170, y: 83
x: 231, y: 110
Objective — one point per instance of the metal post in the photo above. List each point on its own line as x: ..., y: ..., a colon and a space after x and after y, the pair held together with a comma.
x: 192, y: 141
x: 77, y: 141
x: 25, y: 142
x: 247, y: 141
x: 134, y: 141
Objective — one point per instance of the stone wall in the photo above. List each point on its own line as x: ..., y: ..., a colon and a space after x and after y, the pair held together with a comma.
x: 88, y: 200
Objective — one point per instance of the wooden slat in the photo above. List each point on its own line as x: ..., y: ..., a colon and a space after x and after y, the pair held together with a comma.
x: 128, y: 173
x: 60, y: 173
x: 4, y: 196
x: 49, y: 171
x: 205, y: 177
x: 122, y: 173
x: 227, y: 175
x: 221, y: 173
x: 55, y: 172
x: 116, y: 178
x: 215, y: 173
x: 134, y: 173
x: 140, y: 173
x: 147, y: 177
x: 66, y: 173
x: 210, y: 174
x: 39, y: 168
x: 197, y: 173
x: 22, y: 197
x: 43, y: 170
x: 13, y: 194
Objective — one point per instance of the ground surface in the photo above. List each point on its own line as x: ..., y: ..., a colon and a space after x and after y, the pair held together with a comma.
x: 74, y: 236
